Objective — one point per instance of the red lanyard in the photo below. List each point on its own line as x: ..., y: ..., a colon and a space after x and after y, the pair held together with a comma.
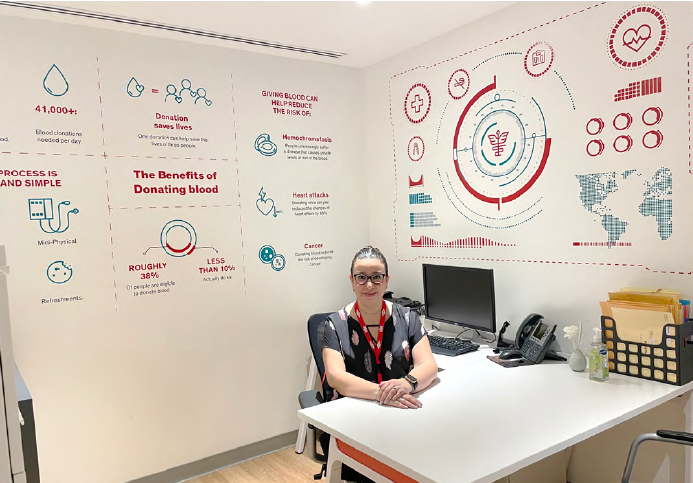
x: 375, y: 346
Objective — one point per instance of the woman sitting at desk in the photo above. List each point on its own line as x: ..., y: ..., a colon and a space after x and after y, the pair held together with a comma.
x: 374, y: 349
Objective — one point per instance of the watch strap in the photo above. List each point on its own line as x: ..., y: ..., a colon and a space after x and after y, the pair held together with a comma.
x: 412, y: 380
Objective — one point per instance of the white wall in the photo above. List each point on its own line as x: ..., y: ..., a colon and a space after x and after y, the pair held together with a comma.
x: 543, y: 272
x: 131, y: 386
x: 125, y: 386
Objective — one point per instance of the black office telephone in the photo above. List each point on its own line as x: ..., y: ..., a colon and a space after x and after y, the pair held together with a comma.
x: 534, y: 337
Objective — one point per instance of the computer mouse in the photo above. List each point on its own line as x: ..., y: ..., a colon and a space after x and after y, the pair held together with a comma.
x: 512, y: 354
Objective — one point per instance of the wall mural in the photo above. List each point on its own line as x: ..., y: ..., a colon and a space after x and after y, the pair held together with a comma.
x: 546, y: 129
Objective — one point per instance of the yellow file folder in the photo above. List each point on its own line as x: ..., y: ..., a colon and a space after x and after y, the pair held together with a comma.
x: 658, y: 299
x: 638, y: 324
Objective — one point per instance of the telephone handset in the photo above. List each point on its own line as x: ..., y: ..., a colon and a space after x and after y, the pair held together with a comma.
x: 534, y: 337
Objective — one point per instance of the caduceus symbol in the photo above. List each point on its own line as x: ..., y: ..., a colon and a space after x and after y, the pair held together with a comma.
x: 498, y: 141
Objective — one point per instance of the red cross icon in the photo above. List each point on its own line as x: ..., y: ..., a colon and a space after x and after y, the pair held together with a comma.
x: 417, y: 103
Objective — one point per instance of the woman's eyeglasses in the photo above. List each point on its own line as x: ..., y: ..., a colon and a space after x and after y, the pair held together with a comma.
x: 376, y: 278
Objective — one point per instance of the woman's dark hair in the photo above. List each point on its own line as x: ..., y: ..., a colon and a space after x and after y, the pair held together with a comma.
x: 369, y: 252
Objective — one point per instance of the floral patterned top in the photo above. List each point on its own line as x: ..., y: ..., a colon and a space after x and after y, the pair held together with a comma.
x: 342, y: 333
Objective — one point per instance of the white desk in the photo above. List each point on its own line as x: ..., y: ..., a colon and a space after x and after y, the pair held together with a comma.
x: 461, y: 433
x: 464, y: 360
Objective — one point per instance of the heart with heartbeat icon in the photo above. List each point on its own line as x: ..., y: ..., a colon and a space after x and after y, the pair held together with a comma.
x: 634, y: 39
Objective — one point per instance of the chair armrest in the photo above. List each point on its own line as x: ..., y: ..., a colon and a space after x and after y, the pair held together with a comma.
x: 308, y: 399
x: 677, y: 435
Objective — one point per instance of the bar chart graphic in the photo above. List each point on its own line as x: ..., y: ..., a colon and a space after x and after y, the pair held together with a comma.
x: 469, y: 242
x: 419, y: 199
x: 424, y: 219
x: 602, y: 244
x: 638, y: 89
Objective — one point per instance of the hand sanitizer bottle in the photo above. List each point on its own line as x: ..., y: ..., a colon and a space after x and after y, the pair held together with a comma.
x: 599, y: 363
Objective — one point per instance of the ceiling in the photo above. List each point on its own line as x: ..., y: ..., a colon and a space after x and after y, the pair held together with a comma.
x: 367, y: 32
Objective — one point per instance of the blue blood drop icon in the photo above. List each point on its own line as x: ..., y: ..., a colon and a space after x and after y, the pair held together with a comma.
x: 55, y: 82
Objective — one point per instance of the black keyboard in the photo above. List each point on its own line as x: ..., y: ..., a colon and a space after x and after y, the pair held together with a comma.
x: 448, y: 346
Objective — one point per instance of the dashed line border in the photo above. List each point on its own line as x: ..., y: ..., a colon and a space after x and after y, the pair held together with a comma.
x: 502, y: 40
x: 119, y: 156
x: 172, y: 206
x: 554, y: 262
x: 688, y: 73
x: 108, y: 197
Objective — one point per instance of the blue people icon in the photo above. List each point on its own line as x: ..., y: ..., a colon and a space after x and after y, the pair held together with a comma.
x: 202, y: 94
x: 134, y: 88
x: 187, y: 86
x: 172, y: 91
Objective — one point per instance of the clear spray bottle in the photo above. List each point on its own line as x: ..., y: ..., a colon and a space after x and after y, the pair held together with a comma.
x: 599, y: 363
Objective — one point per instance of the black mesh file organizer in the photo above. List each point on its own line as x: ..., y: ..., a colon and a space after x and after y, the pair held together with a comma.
x: 670, y: 362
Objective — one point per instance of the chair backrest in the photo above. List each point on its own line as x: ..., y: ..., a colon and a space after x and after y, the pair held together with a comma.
x: 314, y: 322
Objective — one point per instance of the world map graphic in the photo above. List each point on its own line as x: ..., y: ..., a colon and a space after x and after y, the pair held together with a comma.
x: 596, y: 188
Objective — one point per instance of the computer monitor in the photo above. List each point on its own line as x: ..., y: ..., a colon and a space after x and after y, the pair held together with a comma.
x: 460, y: 295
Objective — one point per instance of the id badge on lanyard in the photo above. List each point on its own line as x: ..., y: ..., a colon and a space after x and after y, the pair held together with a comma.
x: 376, y: 346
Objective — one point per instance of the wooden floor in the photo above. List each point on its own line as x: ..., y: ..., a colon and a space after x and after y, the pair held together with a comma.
x: 284, y: 466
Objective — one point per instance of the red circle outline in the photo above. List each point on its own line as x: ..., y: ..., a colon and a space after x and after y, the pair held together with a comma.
x: 548, y: 67
x: 599, y: 121
x: 601, y: 147
x: 658, y: 111
x: 627, y: 138
x: 423, y: 148
x: 428, y: 109
x: 468, y: 82
x: 472, y: 191
x: 660, y: 138
x: 661, y: 21
x: 628, y: 116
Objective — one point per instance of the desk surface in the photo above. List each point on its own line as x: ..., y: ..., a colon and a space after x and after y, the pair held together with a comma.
x: 463, y: 433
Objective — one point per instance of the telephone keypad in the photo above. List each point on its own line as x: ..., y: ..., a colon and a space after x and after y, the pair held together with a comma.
x: 530, y: 350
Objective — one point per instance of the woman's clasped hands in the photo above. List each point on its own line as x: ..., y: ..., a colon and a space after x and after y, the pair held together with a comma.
x: 397, y: 393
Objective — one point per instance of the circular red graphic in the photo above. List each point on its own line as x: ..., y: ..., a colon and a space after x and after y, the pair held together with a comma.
x: 458, y: 84
x: 658, y: 113
x: 539, y: 59
x: 417, y: 103
x: 659, y: 137
x: 629, y: 143
x: 500, y: 147
x: 600, y: 147
x: 628, y: 119
x: 638, y: 36
x: 416, y: 148
x: 600, y: 126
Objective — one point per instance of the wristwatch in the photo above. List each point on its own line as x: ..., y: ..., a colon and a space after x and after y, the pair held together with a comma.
x: 411, y: 380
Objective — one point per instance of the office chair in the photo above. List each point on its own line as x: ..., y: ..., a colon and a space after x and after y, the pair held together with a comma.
x: 664, y: 436
x: 313, y: 397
